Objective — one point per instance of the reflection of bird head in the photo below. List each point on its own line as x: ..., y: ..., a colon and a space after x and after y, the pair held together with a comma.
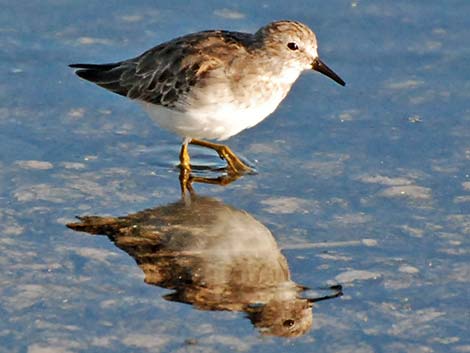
x: 214, y: 257
x: 284, y: 318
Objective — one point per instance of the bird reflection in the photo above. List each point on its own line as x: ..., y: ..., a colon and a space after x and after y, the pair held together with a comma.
x: 187, y: 178
x: 214, y: 257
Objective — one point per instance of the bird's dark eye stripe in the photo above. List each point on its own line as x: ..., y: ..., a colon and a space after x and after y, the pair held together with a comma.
x: 292, y: 46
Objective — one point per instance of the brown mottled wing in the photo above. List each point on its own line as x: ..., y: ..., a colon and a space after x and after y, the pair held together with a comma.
x: 167, y: 72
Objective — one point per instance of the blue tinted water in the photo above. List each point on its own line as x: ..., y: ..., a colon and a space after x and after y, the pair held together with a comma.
x: 367, y: 185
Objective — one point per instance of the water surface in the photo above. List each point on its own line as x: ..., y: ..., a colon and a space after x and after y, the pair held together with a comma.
x: 366, y: 186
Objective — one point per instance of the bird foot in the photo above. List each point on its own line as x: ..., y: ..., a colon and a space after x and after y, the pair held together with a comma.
x: 235, y: 164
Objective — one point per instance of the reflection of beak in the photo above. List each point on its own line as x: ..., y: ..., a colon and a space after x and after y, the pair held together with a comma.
x: 338, y: 289
x: 321, y: 67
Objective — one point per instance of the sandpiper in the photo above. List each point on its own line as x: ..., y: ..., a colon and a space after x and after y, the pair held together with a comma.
x: 214, y: 84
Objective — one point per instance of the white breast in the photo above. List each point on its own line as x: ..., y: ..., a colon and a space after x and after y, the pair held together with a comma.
x: 218, y: 123
x: 215, y: 113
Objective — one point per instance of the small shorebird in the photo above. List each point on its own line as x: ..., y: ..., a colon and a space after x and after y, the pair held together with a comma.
x: 214, y: 257
x: 214, y: 84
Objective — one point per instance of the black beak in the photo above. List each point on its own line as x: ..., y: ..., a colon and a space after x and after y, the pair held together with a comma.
x: 338, y: 290
x: 321, y: 67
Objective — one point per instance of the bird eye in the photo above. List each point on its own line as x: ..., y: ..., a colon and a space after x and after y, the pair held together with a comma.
x: 292, y: 46
x: 288, y: 323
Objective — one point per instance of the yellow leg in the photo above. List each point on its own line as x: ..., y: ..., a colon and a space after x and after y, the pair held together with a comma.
x: 185, y: 167
x: 184, y: 157
x: 234, y: 163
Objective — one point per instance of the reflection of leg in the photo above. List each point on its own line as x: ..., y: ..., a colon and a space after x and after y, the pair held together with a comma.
x: 187, y: 180
x: 222, y: 180
x: 234, y: 163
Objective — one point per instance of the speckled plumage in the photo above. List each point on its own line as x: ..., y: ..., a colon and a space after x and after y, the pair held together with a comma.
x: 214, y: 257
x: 212, y: 84
x: 166, y: 73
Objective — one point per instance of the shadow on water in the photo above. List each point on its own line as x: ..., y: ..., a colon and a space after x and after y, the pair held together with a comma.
x: 214, y: 257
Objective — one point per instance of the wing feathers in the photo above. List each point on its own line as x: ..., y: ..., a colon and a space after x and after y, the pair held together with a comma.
x: 107, y: 75
x: 166, y: 74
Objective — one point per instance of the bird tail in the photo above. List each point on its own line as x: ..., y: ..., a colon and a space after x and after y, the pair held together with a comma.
x: 94, y: 225
x: 105, y: 75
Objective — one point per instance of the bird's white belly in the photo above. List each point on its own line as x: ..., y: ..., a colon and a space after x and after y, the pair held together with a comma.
x: 214, y: 121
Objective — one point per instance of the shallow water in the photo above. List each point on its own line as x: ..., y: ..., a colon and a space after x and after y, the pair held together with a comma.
x: 366, y: 186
